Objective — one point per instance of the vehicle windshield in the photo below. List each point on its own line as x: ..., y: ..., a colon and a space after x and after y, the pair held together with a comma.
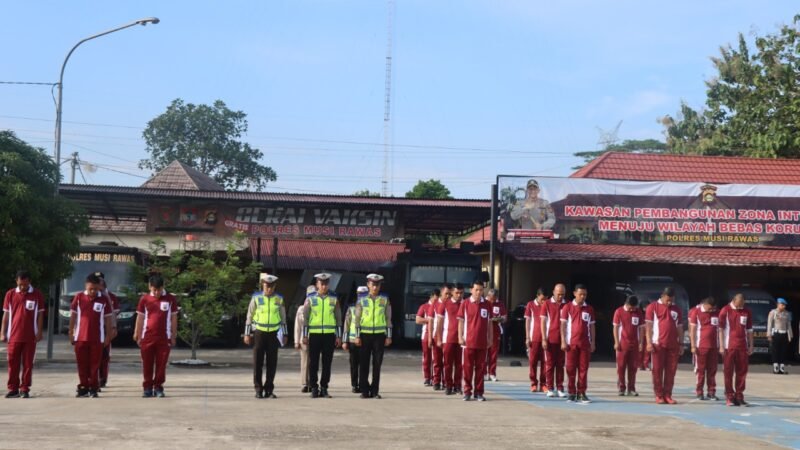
x: 760, y: 309
x: 428, y: 275
x: 117, y: 276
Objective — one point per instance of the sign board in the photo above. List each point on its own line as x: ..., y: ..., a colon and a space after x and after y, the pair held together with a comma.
x: 592, y: 211
x: 277, y: 220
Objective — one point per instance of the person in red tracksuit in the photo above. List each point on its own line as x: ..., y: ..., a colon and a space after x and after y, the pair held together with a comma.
x: 551, y: 343
x: 499, y: 316
x: 665, y: 342
x: 447, y: 339
x: 156, y: 332
x: 578, y: 342
x: 736, y: 346
x: 89, y: 324
x: 475, y: 336
x: 704, y: 338
x: 106, y: 359
x: 628, y: 343
x: 425, y: 317
x: 438, y: 351
x: 533, y: 340
x: 22, y: 325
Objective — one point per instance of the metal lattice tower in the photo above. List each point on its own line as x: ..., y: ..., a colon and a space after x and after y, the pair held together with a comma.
x: 387, y: 184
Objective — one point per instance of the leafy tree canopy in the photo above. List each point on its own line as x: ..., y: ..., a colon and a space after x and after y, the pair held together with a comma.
x: 429, y: 189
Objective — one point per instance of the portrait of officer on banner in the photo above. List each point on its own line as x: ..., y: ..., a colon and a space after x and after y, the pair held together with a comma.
x: 531, y: 212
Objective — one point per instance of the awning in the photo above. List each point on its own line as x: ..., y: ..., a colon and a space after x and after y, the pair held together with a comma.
x: 327, y: 255
x: 696, y: 256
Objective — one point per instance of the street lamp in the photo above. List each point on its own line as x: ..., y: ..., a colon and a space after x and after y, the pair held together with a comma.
x: 56, y: 294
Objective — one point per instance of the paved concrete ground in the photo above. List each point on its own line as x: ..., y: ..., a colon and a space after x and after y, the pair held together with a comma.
x: 213, y: 407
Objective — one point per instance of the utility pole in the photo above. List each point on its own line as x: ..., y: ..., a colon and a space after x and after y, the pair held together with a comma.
x: 74, y: 165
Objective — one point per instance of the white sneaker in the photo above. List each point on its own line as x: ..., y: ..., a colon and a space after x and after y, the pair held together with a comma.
x: 493, y: 378
x: 551, y: 394
x: 562, y: 394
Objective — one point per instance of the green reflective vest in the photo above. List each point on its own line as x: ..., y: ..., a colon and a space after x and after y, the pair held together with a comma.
x: 267, y: 316
x: 373, y: 314
x: 352, y: 332
x: 322, y: 316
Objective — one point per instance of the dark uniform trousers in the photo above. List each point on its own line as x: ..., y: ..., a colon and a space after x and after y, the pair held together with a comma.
x: 265, y: 347
x: 320, y: 344
x: 371, y: 348
x: 355, y: 358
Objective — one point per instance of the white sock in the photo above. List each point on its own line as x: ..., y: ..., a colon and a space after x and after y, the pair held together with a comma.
x: 775, y: 366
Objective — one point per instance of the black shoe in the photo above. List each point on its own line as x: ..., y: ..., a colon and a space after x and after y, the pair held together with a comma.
x: 712, y: 397
x: 147, y: 393
x: 457, y: 391
x: 364, y: 395
x: 437, y: 387
x: 305, y: 390
x: 582, y: 398
x: 270, y: 395
x: 24, y: 394
x: 259, y: 393
x: 12, y: 394
x: 159, y: 392
x: 449, y: 391
x: 82, y: 393
x: 99, y: 389
x: 427, y: 383
x: 103, y: 383
x: 93, y: 394
x: 466, y: 398
x: 324, y: 393
x: 378, y: 396
x: 633, y: 394
x: 480, y: 398
x: 356, y: 390
x: 701, y: 397
x: 743, y: 403
x: 621, y: 393
x: 572, y: 398
x: 314, y: 393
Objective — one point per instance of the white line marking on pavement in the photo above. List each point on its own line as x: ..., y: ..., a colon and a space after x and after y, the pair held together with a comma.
x: 791, y: 421
x: 740, y: 422
x: 745, y: 415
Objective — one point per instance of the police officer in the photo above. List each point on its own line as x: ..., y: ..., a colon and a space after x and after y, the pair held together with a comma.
x: 373, y: 332
x: 349, y: 341
x: 266, y: 321
x: 533, y: 213
x: 321, y: 334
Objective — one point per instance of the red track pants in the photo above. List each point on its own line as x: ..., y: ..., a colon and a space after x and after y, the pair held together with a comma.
x: 474, y: 369
x: 438, y: 363
x: 20, y: 355
x: 88, y: 356
x: 491, y: 355
x: 628, y: 360
x: 665, y: 364
x: 155, y: 355
x: 452, y: 366
x: 705, y: 367
x: 554, y: 366
x: 735, y: 362
x: 536, y: 358
x: 427, y: 360
x: 577, y: 369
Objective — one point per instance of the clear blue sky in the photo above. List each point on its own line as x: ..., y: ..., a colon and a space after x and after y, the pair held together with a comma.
x: 528, y: 82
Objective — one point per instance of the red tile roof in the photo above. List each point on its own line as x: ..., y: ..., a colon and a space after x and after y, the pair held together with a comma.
x: 328, y: 255
x: 698, y: 256
x: 710, y: 169
x: 122, y: 226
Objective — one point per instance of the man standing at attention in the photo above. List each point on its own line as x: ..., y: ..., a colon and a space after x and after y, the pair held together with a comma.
x: 533, y: 340
x: 578, y: 342
x: 628, y: 342
x: 475, y: 335
x: 704, y: 337
x: 551, y: 343
x: 665, y: 341
x: 736, y: 346
x: 22, y: 325
x: 499, y: 316
x: 447, y: 316
x: 156, y: 333
x: 425, y: 317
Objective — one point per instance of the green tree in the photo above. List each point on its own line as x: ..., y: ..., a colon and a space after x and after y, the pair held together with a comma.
x: 429, y: 189
x: 209, y: 287
x: 366, y: 193
x: 207, y: 138
x: 627, y: 146
x: 752, y: 107
x: 38, y: 231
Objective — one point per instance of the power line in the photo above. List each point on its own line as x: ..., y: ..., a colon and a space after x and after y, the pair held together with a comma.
x: 29, y: 83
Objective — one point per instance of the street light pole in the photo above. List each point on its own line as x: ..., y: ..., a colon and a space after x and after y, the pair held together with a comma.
x: 55, y: 295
